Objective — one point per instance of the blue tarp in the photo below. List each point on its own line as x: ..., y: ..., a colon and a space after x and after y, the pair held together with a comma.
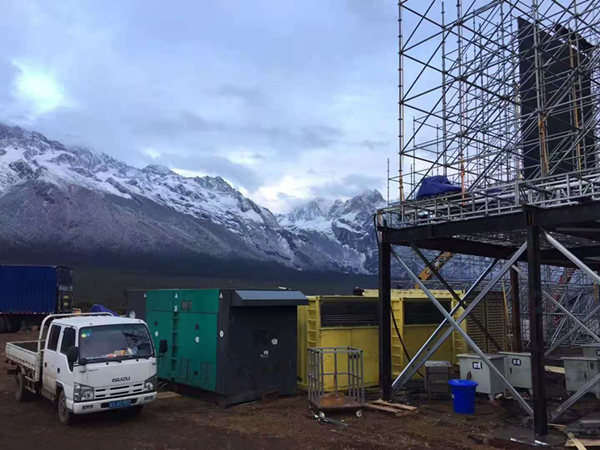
x: 436, y: 185
x: 101, y: 308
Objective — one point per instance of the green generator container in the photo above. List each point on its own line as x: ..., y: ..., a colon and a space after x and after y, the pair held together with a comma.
x: 239, y: 344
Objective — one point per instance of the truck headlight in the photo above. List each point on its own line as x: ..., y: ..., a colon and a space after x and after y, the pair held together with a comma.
x: 82, y: 393
x: 150, y: 383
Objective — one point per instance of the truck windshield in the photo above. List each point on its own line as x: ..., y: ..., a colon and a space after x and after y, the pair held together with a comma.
x: 117, y: 342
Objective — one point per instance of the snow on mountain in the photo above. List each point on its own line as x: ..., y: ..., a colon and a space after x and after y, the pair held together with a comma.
x: 348, y: 223
x: 51, y: 193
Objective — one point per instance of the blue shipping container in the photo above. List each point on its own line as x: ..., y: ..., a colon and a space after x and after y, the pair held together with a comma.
x: 35, y: 289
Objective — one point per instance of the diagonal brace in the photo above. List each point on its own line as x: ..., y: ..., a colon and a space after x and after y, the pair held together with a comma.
x: 460, y: 301
x: 467, y: 338
x: 578, y: 322
x: 428, y: 349
x: 574, y: 259
x: 573, y: 398
x: 572, y: 331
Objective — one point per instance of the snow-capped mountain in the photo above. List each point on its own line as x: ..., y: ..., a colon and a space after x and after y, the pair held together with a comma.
x: 348, y: 223
x: 78, y: 201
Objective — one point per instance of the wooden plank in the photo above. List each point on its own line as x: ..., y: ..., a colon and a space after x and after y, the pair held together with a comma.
x: 555, y: 369
x: 574, y: 442
x: 395, y: 412
x: 167, y: 394
x: 381, y: 408
x: 398, y: 412
x: 394, y: 405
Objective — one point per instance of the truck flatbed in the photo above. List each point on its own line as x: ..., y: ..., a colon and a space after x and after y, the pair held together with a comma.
x: 25, y: 353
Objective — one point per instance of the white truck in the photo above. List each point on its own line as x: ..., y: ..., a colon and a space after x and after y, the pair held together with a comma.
x: 86, y: 363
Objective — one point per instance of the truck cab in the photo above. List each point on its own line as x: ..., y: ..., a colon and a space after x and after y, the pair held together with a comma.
x: 88, y: 364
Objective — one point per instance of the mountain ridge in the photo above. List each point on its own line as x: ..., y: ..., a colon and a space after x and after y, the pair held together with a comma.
x: 82, y: 200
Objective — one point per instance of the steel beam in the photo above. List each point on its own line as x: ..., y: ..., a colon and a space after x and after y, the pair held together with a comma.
x: 573, y: 398
x: 561, y: 248
x: 428, y: 348
x: 385, y: 336
x: 467, y: 338
x: 536, y: 331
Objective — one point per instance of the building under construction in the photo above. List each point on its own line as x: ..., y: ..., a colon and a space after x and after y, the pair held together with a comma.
x: 498, y: 158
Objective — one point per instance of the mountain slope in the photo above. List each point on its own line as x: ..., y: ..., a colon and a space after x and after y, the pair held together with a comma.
x: 81, y: 202
x: 348, y: 223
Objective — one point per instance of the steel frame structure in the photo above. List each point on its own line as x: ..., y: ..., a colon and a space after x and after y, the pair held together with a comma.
x: 541, y: 246
x: 464, y: 114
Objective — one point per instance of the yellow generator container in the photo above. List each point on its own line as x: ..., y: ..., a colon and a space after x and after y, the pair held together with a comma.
x: 334, y: 320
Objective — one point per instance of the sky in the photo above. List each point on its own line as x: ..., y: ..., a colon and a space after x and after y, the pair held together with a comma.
x: 287, y: 100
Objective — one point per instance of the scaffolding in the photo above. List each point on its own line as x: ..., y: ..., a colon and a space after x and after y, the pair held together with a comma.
x: 499, y: 97
x: 498, y: 111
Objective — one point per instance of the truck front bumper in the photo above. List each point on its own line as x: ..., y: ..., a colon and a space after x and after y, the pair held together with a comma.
x: 105, y: 403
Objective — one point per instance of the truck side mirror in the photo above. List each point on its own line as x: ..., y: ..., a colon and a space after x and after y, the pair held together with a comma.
x: 72, y: 354
x: 162, y: 346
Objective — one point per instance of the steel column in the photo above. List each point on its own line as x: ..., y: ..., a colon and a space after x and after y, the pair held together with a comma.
x: 517, y: 343
x: 536, y: 329
x: 385, y: 332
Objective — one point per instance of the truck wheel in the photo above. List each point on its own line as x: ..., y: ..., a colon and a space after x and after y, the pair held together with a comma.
x: 136, y: 410
x: 21, y: 393
x: 4, y: 325
x: 15, y: 325
x: 64, y: 415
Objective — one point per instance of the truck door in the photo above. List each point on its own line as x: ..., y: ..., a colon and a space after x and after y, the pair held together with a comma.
x: 50, y: 362
x: 64, y: 372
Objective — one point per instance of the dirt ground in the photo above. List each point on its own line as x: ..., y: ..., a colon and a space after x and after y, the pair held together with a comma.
x: 183, y: 422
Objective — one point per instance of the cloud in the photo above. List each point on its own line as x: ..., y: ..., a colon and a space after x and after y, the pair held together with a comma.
x: 181, y: 123
x: 374, y: 145
x: 305, y: 138
x: 348, y: 186
x: 226, y: 88
x: 214, y: 165
x: 252, y: 96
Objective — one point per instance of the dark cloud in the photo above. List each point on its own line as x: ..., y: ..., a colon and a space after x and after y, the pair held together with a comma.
x: 282, y: 138
x: 252, y: 96
x: 294, y: 83
x: 214, y: 165
x: 348, y: 186
x: 305, y: 137
x: 182, y: 123
x: 374, y: 145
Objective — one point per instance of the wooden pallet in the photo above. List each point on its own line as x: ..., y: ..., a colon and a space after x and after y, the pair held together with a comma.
x: 167, y: 394
x: 581, y: 443
x: 397, y: 409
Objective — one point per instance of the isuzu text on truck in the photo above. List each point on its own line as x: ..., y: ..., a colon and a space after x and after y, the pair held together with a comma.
x: 86, y: 363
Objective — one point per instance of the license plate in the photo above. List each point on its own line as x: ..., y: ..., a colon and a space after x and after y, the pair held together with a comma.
x: 119, y: 404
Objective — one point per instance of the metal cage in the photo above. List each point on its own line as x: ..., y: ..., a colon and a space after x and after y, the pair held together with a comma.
x: 344, y: 366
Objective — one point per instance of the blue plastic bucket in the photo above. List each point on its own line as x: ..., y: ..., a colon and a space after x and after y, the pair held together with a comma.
x: 463, y: 396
